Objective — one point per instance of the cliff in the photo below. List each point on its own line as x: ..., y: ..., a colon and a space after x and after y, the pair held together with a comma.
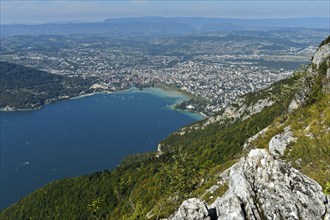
x: 264, y: 184
x: 261, y: 187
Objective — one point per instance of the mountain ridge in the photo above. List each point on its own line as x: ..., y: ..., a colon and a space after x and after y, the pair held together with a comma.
x: 159, y: 26
x: 262, y: 184
x: 195, y: 161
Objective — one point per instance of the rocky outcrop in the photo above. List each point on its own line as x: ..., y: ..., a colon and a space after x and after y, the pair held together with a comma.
x: 294, y: 104
x: 192, y: 209
x: 239, y: 110
x: 279, y: 143
x: 257, y: 107
x: 321, y: 55
x: 159, y: 151
x: 262, y: 187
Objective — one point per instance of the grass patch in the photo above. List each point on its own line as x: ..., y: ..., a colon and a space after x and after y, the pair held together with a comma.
x: 209, y: 197
x: 310, y: 153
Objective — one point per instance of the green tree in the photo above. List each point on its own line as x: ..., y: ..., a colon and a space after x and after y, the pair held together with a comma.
x: 139, y: 212
x: 327, y: 188
x: 180, y: 175
x: 95, y: 206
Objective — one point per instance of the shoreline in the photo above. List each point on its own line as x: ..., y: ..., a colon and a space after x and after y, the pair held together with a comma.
x: 10, y: 109
x: 173, y: 93
x: 88, y: 94
x: 174, y: 89
x: 160, y: 90
x: 150, y: 93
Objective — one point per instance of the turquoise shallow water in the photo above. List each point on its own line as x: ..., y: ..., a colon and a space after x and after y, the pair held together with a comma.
x: 80, y: 136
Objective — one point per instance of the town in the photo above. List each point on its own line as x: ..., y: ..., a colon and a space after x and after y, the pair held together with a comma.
x: 214, y: 70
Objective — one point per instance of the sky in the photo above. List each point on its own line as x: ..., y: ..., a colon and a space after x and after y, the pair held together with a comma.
x: 46, y: 11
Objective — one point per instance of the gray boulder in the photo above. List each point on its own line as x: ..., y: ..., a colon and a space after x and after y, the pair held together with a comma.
x: 262, y: 187
x: 192, y: 209
x: 321, y: 55
x: 279, y: 143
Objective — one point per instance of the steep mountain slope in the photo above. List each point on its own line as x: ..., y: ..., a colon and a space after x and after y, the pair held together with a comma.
x: 270, y: 183
x: 222, y: 161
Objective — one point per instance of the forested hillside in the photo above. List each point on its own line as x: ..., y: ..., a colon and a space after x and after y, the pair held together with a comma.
x: 141, y: 180
x: 188, y: 162
x: 26, y: 88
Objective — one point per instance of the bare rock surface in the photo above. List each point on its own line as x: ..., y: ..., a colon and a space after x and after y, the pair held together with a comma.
x: 193, y: 209
x: 321, y: 55
x: 262, y: 187
x: 279, y: 143
x: 239, y: 110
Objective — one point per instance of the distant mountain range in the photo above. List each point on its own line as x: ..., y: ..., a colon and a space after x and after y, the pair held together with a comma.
x: 161, y: 26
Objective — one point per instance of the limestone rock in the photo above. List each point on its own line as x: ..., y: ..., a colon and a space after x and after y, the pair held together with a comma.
x: 321, y: 55
x: 262, y: 187
x: 258, y: 107
x: 228, y: 207
x: 192, y: 209
x: 327, y: 215
x: 293, y: 105
x: 159, y: 151
x: 278, y: 143
x: 239, y: 110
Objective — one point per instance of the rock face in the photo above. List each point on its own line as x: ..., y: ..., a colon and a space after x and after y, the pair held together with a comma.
x: 192, y: 209
x: 278, y: 143
x: 239, y: 110
x: 262, y: 187
x: 321, y: 55
x: 159, y: 151
x: 293, y: 105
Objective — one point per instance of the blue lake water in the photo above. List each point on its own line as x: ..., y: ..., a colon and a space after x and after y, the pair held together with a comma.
x: 80, y: 136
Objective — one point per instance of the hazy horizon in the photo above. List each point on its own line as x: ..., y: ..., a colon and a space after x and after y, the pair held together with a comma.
x: 132, y: 17
x: 53, y: 11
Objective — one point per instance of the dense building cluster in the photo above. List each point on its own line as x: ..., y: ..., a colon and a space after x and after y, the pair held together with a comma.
x: 215, y: 69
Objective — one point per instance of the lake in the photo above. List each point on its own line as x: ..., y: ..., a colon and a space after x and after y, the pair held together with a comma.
x: 81, y: 136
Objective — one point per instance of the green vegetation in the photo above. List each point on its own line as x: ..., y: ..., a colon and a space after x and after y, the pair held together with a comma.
x: 142, y: 182
x: 310, y: 152
x: 209, y: 197
x: 179, y: 179
x: 310, y: 126
x: 327, y: 188
x: 197, y: 103
x: 326, y: 41
x: 146, y: 185
x: 26, y: 88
